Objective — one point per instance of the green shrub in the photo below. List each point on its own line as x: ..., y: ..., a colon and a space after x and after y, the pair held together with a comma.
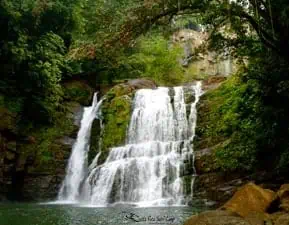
x: 156, y: 58
x: 229, y: 125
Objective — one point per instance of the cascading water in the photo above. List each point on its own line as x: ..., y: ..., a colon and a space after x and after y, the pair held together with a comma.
x: 151, y: 169
x: 76, y: 170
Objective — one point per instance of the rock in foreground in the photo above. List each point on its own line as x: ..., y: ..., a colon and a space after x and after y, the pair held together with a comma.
x: 250, y: 205
x: 217, y: 217
x: 250, y: 198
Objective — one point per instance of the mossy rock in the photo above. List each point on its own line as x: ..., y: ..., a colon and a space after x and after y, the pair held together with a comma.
x: 78, y: 91
x: 119, y: 90
x: 206, y: 126
x: 48, y: 152
x: 116, y: 117
x: 130, y: 87
x: 48, y: 160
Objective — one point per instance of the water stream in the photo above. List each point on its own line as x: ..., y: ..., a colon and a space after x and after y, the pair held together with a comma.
x: 77, y: 166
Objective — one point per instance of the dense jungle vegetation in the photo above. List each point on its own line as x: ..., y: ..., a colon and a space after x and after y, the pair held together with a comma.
x: 46, y: 43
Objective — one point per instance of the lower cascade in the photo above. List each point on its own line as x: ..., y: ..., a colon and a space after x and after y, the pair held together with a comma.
x: 154, y: 168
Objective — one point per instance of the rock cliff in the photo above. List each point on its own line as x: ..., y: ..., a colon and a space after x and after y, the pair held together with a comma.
x: 33, y: 160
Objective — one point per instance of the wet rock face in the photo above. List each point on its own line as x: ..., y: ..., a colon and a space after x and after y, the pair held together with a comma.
x: 33, y: 166
x: 33, y: 162
x: 8, y: 149
x: 94, y: 140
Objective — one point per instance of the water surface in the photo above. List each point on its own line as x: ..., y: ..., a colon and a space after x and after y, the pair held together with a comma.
x: 36, y: 214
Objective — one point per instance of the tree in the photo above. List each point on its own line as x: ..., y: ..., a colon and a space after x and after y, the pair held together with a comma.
x: 266, y: 19
x: 34, y: 41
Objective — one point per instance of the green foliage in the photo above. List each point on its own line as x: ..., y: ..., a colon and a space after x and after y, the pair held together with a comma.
x: 156, y: 58
x: 229, y: 124
x: 270, y: 72
x: 34, y: 44
x: 246, y: 119
x: 78, y: 92
x: 48, y: 149
x: 45, y: 70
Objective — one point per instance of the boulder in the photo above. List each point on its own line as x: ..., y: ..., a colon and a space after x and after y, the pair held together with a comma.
x: 217, y: 217
x: 282, y: 219
x: 142, y: 84
x: 257, y: 218
x: 283, y: 195
x: 250, y: 198
x: 275, y: 217
x: 283, y: 192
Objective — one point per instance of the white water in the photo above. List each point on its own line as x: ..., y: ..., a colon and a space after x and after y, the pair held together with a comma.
x: 149, y: 169
x: 76, y: 170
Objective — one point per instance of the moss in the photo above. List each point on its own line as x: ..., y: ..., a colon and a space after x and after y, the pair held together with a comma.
x: 116, y: 117
x: 119, y: 90
x: 207, y: 118
x: 79, y: 92
x: 116, y: 110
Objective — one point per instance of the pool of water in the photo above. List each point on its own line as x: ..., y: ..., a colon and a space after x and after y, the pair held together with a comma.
x: 49, y: 214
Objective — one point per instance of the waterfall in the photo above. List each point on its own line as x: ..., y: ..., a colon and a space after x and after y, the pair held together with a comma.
x: 152, y: 167
x: 76, y: 170
x: 149, y: 169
